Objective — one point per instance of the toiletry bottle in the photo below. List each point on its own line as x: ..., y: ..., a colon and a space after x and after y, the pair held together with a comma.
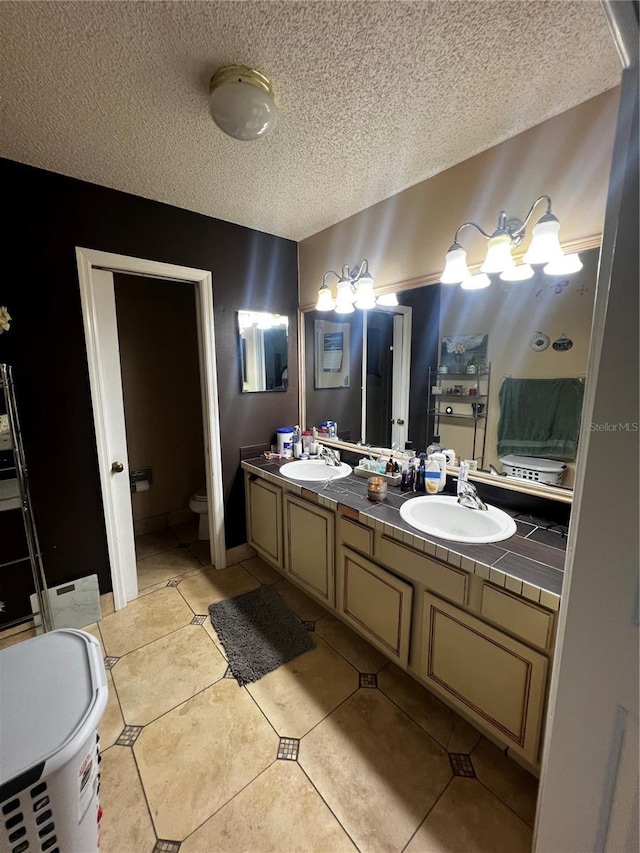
x: 432, y: 477
x: 404, y: 481
x: 389, y: 467
x: 441, y: 461
x: 435, y: 446
x: 420, y: 487
x: 297, y: 443
x: 463, y: 475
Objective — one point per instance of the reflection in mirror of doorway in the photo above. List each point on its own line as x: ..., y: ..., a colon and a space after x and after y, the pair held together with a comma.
x: 263, y: 341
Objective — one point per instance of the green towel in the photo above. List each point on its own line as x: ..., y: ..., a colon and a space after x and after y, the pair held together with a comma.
x: 540, y: 417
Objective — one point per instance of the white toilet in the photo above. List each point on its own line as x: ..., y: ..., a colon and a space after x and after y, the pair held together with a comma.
x: 200, y: 505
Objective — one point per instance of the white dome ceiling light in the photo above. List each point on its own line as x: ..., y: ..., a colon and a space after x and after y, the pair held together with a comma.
x: 241, y: 102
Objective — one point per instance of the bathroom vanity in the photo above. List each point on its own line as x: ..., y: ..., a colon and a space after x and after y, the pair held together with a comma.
x: 475, y: 624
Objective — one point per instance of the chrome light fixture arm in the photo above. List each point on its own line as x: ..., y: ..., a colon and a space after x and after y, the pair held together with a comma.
x: 518, y: 233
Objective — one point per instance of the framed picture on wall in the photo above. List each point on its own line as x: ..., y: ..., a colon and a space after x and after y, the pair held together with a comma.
x: 458, y: 352
x: 331, y: 350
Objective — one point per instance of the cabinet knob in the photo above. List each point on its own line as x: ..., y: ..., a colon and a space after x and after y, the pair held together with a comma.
x: 117, y: 467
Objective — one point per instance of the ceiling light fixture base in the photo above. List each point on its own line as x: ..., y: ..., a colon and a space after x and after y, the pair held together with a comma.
x: 242, y: 103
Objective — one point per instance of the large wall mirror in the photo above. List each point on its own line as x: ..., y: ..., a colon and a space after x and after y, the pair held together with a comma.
x: 536, y: 329
x: 263, y: 342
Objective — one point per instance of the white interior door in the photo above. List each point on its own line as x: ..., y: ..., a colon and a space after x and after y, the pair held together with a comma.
x: 95, y: 273
x: 113, y: 461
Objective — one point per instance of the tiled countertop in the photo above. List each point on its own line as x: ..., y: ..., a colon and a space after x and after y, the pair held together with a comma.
x: 530, y: 563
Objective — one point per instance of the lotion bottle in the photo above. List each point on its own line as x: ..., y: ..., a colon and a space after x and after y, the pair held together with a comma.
x: 441, y: 461
x: 432, y: 477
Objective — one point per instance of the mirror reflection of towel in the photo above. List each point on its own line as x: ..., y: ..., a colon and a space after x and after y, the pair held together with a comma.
x: 540, y: 417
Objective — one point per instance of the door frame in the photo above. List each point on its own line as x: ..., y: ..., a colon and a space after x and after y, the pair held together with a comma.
x: 402, y: 320
x: 119, y: 542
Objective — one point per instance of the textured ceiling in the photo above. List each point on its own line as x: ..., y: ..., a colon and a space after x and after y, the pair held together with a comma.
x: 373, y: 96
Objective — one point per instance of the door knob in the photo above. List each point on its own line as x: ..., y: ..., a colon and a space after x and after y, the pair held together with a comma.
x: 117, y: 467
x: 400, y: 421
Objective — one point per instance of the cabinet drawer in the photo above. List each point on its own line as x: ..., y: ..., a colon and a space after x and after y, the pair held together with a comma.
x: 533, y: 624
x: 446, y: 581
x: 497, y: 680
x: 355, y: 535
x: 376, y: 602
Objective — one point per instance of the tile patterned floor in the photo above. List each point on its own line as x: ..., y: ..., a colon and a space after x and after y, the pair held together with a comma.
x: 339, y: 750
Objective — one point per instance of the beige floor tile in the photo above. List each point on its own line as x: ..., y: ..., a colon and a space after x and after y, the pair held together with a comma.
x: 261, y: 570
x: 378, y: 771
x: 126, y: 825
x: 111, y: 724
x: 95, y: 632
x: 279, y: 811
x: 106, y: 604
x: 14, y: 639
x: 201, y: 550
x: 463, y: 737
x: 469, y: 819
x: 187, y: 532
x: 155, y: 543
x: 203, y: 589
x: 296, y: 696
x: 305, y: 607
x: 510, y: 782
x: 198, y: 756
x: 211, y: 631
x: 144, y: 620
x: 164, y: 566
x: 449, y: 729
x: 159, y: 676
x: 350, y: 645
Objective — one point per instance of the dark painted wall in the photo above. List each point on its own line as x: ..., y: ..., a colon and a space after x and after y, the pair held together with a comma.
x: 343, y: 405
x: 45, y: 217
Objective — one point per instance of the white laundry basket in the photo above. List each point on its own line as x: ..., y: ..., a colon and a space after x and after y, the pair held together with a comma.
x: 53, y: 692
x: 534, y: 469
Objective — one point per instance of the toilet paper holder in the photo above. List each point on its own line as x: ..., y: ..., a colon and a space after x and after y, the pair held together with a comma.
x: 140, y: 475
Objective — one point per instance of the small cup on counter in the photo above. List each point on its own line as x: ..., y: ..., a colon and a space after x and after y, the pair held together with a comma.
x: 377, y: 489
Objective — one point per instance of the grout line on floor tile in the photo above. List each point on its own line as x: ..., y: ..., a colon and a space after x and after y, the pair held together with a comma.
x: 331, y: 811
x: 231, y: 799
x: 433, y: 805
x: 400, y: 708
x: 144, y: 793
x: 144, y: 645
x: 504, y: 803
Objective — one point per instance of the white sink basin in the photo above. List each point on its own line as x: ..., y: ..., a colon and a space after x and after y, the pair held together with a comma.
x: 314, y: 470
x: 444, y: 517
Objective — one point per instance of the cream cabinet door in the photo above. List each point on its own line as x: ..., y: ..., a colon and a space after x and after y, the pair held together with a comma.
x: 310, y: 547
x: 376, y: 602
x: 497, y: 680
x: 264, y: 518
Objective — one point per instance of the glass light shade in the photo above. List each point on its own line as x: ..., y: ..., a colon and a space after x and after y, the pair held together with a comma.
x: 520, y: 272
x: 564, y: 265
x: 545, y: 245
x: 242, y: 110
x: 325, y: 299
x: 476, y: 282
x: 499, y: 257
x: 388, y: 299
x: 364, y: 296
x: 455, y: 269
x: 345, y: 297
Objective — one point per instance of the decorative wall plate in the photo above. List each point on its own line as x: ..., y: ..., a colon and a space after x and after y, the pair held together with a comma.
x: 539, y: 342
x: 562, y: 344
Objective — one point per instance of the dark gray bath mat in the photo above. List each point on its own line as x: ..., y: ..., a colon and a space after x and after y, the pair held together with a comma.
x: 259, y: 633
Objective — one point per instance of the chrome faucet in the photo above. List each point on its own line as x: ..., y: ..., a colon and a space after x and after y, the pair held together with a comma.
x: 330, y: 456
x: 468, y: 496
